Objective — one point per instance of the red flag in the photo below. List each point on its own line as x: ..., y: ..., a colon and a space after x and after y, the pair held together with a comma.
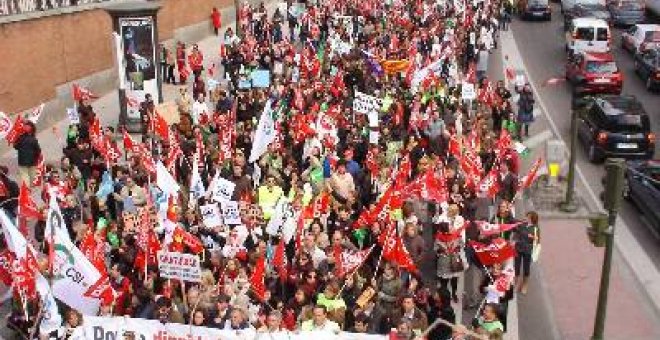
x: 527, y: 181
x: 160, y: 126
x: 454, y: 147
x: 510, y: 73
x: 39, y: 174
x: 403, y: 172
x: 336, y: 254
x: 488, y: 229
x: 80, y: 93
x: 395, y: 251
x: 128, y: 141
x: 498, y: 251
x: 7, y: 259
x: 490, y: 184
x: 111, y: 152
x: 349, y: 261
x: 148, y: 249
x: 429, y: 186
x: 279, y: 260
x: 15, y: 131
x: 26, y: 205
x: 94, y: 251
x: 257, y: 278
x: 452, y: 235
x: 503, y: 143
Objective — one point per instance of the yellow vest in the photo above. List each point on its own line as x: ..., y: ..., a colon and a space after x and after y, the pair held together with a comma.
x: 268, y: 199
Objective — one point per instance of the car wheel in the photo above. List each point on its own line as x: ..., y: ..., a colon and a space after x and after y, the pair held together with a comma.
x: 594, y: 157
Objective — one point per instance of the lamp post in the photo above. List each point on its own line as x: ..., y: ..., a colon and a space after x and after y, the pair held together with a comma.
x: 613, y: 193
x: 569, y: 205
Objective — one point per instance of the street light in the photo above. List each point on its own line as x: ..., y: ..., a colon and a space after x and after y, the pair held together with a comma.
x: 569, y: 205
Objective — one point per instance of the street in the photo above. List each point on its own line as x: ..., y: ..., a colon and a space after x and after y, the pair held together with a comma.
x: 541, y: 45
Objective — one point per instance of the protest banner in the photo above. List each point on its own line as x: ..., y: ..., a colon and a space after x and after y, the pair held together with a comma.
x: 211, y: 215
x: 260, y: 78
x: 223, y: 190
x: 101, y: 328
x: 230, y: 212
x: 179, y: 266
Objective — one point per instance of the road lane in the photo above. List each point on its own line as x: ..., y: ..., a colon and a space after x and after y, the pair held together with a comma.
x: 542, y: 47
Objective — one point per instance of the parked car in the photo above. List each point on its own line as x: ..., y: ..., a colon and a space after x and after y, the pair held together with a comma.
x: 589, y: 10
x: 614, y: 126
x: 642, y: 187
x: 534, y: 9
x: 627, y: 12
x: 588, y: 35
x: 567, y: 5
x: 641, y: 37
x: 594, y: 72
x: 647, y: 66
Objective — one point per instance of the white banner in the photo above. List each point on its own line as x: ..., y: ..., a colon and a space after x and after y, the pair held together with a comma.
x: 179, y: 266
x: 368, y: 105
x: 101, y: 328
x: 77, y: 282
x: 72, y: 113
x: 211, y: 215
x: 223, y: 190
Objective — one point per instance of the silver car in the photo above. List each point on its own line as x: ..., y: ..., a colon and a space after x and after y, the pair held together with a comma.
x: 627, y: 12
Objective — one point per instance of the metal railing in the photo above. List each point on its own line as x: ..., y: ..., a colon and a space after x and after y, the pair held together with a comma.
x: 12, y: 7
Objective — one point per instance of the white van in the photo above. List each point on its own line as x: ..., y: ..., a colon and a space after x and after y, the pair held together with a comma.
x: 588, y: 35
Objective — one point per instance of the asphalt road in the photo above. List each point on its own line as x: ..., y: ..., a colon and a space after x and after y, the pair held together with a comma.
x: 542, y: 47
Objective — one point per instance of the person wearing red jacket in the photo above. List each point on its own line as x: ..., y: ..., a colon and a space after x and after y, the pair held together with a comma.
x: 216, y: 18
x: 195, y: 59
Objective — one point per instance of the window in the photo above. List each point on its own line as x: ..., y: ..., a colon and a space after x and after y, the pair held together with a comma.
x: 603, y: 34
x: 630, y: 123
x: 652, y: 36
x: 601, y: 67
x: 585, y: 33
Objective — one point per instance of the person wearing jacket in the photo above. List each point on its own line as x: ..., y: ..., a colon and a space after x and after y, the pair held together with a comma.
x: 28, y: 152
x: 526, y: 236
x: 525, y: 110
x: 216, y: 18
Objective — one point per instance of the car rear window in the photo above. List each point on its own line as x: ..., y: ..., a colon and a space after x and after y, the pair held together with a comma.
x: 585, y: 33
x: 601, y: 67
x: 629, y: 123
x: 652, y: 36
x: 630, y: 6
x: 602, y: 34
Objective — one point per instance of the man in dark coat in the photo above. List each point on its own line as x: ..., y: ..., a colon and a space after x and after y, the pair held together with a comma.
x: 28, y: 149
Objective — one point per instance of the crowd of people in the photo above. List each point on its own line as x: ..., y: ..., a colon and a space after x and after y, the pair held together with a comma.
x: 423, y: 196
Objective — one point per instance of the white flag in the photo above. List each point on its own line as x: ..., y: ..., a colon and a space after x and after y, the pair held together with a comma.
x: 197, y: 189
x: 17, y: 244
x: 76, y: 281
x: 165, y: 181
x: 36, y: 113
x: 264, y: 135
